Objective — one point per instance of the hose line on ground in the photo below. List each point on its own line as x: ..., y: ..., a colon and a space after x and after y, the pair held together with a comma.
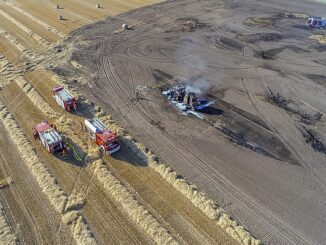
x: 76, y: 156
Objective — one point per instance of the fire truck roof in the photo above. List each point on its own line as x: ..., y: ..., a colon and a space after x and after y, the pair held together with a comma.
x: 43, y: 126
x: 51, y: 136
x: 48, y: 133
x: 107, y: 136
x: 65, y: 95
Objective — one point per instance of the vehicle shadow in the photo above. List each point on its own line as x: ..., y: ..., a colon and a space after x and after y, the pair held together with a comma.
x: 127, y: 155
x: 212, y: 111
x: 73, y: 155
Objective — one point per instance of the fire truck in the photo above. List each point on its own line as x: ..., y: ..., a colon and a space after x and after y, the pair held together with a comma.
x: 64, y: 98
x: 48, y: 136
x: 102, y: 136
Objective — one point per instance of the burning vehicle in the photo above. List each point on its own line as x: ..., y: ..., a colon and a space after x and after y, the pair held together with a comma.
x: 185, y: 99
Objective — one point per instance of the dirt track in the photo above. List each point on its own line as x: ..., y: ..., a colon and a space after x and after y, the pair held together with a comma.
x: 269, y: 178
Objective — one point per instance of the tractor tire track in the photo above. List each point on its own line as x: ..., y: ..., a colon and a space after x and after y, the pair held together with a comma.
x: 183, y: 151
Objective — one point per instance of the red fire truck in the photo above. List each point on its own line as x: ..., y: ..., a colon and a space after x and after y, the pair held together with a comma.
x: 102, y: 136
x: 48, y: 136
x: 64, y: 98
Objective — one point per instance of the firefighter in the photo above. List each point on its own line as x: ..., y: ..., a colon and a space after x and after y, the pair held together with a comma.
x: 35, y: 135
x: 137, y: 95
x: 64, y: 152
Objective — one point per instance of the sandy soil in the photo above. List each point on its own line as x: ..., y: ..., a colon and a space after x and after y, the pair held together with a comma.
x: 256, y: 159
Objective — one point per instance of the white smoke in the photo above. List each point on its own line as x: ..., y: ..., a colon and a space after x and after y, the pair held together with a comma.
x: 192, y: 66
x: 199, y: 87
x: 190, y: 63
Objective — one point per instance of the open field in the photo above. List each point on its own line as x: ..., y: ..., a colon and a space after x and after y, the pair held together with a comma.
x: 257, y: 154
x: 263, y: 158
x: 50, y: 199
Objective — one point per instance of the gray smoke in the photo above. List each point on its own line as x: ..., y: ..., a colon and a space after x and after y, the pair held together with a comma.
x: 199, y: 86
x: 192, y: 66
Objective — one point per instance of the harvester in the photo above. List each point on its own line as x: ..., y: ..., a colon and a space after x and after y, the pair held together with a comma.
x: 64, y: 98
x: 49, y: 137
x: 185, y: 100
x: 102, y: 136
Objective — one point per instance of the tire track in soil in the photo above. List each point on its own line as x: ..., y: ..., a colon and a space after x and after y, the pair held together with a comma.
x: 80, y: 174
x: 83, y: 180
x: 111, y: 83
x: 142, y: 174
x: 171, y: 208
x: 265, y: 107
x: 192, y: 157
x: 289, y: 144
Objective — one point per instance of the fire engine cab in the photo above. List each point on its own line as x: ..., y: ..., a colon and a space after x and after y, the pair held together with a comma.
x: 48, y: 136
x: 102, y: 136
x: 64, y: 98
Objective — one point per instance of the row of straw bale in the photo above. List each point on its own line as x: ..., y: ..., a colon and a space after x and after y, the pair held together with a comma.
x: 138, y: 213
x: 42, y: 175
x: 34, y: 96
x: 6, y: 236
x: 28, y: 53
x: 63, y: 123
x: 40, y: 22
x: 119, y: 192
x: 48, y: 184
x: 79, y: 228
x: 32, y: 34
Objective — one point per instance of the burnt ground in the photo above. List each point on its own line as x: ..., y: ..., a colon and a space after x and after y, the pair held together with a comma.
x: 257, y: 151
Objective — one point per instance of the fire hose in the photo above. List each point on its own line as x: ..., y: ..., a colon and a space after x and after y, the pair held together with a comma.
x: 69, y: 146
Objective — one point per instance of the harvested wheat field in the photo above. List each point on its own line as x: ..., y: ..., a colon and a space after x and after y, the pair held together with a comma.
x: 162, y: 122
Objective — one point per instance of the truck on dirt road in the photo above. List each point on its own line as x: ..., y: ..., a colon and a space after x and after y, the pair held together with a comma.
x: 101, y: 135
x: 49, y: 137
x: 64, y: 98
x: 316, y: 22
